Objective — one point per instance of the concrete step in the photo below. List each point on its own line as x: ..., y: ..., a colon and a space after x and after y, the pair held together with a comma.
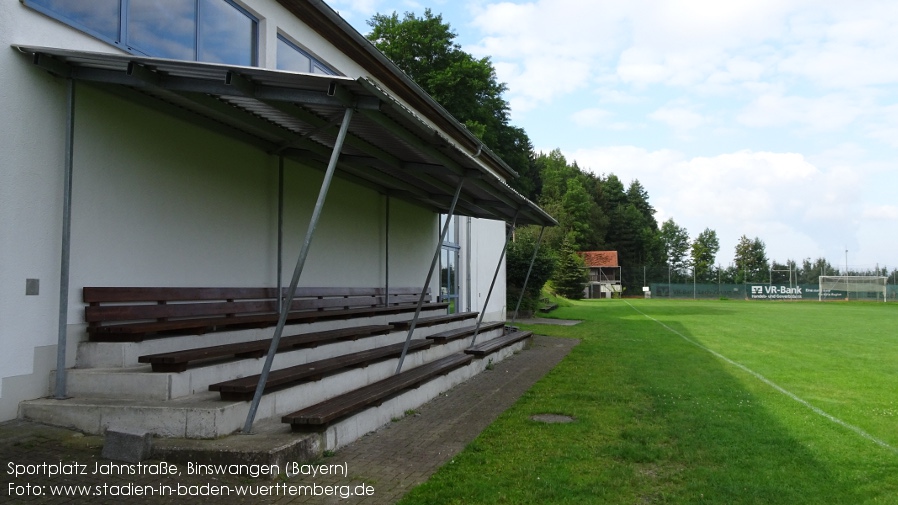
x: 139, y: 382
x: 274, y: 443
x: 203, y: 415
x: 350, y: 429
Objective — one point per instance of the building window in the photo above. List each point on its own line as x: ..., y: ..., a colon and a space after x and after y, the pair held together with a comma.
x: 294, y: 59
x: 215, y: 31
x: 449, y: 281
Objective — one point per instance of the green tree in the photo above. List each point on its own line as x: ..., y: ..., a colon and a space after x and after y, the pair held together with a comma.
x: 811, y: 271
x: 577, y: 206
x: 571, y: 275
x: 782, y: 273
x: 467, y: 87
x: 639, y: 198
x: 703, y: 252
x: 751, y: 260
x: 518, y: 256
x: 609, y: 193
x: 554, y: 174
x: 675, y: 242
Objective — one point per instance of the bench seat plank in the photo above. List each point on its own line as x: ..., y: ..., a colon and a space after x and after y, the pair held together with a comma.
x: 118, y: 314
x: 136, y: 331
x: 177, y: 361
x: 244, y: 388
x: 449, y: 335
x: 319, y: 415
x: 491, y: 346
x: 433, y: 320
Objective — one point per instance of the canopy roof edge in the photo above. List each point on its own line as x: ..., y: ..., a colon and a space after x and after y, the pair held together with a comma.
x: 389, y: 148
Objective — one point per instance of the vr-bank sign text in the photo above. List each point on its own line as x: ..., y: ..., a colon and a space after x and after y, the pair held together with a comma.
x: 775, y: 293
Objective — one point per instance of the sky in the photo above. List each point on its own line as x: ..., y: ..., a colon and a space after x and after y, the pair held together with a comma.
x: 775, y: 119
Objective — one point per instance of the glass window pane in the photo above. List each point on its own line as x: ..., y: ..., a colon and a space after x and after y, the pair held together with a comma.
x: 163, y: 28
x: 99, y: 16
x: 226, y: 34
x: 451, y: 236
x: 289, y: 58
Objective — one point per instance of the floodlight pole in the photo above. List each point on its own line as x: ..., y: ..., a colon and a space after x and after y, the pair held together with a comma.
x: 300, y: 263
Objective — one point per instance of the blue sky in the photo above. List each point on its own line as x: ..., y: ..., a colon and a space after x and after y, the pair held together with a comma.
x: 775, y: 119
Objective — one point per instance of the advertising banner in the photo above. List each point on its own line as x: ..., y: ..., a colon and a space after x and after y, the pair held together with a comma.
x: 746, y: 291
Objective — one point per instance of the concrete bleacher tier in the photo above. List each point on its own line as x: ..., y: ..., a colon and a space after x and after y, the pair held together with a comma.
x: 177, y: 373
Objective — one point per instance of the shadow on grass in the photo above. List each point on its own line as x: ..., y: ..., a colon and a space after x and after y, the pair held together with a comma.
x: 658, y: 420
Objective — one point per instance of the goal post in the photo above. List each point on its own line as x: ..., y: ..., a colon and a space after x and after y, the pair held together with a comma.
x: 853, y: 287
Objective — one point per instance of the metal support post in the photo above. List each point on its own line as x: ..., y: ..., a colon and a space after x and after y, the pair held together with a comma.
x: 433, y: 264
x: 387, y: 259
x: 539, y: 240
x: 468, y: 289
x: 300, y: 263
x: 495, y: 276
x: 62, y: 336
x: 280, y: 273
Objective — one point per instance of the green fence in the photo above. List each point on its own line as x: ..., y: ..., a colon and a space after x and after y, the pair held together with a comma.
x: 719, y: 283
x: 760, y: 292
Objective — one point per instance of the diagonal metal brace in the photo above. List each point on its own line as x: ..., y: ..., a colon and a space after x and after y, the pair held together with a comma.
x: 300, y: 263
x: 433, y: 264
x: 527, y: 277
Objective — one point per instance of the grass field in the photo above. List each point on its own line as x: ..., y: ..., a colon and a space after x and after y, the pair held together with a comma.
x: 698, y: 402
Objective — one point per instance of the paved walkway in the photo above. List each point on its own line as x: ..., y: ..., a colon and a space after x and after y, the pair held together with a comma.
x: 386, y: 464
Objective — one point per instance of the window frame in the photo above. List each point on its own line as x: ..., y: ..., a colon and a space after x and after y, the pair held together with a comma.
x: 122, y: 38
x: 452, y: 251
x: 313, y: 61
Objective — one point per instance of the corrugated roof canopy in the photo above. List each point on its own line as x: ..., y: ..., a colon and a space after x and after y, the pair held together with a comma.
x: 388, y: 148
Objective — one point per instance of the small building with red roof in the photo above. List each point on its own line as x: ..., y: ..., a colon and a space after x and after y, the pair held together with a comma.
x: 604, y: 273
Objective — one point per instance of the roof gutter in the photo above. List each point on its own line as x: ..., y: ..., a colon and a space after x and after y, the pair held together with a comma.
x: 360, y: 49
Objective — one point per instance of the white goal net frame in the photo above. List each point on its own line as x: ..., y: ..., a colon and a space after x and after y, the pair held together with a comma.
x: 863, y: 287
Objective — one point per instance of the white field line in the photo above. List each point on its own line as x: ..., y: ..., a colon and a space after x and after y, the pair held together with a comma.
x: 775, y: 386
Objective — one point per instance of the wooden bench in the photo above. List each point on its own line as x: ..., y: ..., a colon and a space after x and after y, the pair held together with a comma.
x: 433, y: 320
x: 547, y: 305
x: 449, y: 335
x: 318, y: 416
x: 134, y: 313
x: 245, y: 387
x: 177, y: 361
x: 491, y: 346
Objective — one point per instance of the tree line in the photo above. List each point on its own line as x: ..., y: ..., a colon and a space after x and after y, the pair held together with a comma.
x: 595, y: 212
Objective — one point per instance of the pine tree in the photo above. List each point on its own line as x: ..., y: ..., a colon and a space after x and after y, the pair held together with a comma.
x: 570, y: 275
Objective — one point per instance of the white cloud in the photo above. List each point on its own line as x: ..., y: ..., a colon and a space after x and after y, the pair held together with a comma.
x: 880, y: 213
x: 885, y: 127
x: 590, y: 117
x: 680, y: 118
x: 830, y: 112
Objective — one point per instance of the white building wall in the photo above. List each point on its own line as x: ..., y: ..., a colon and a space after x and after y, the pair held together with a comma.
x: 486, y: 240
x: 160, y: 202
x: 32, y: 147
